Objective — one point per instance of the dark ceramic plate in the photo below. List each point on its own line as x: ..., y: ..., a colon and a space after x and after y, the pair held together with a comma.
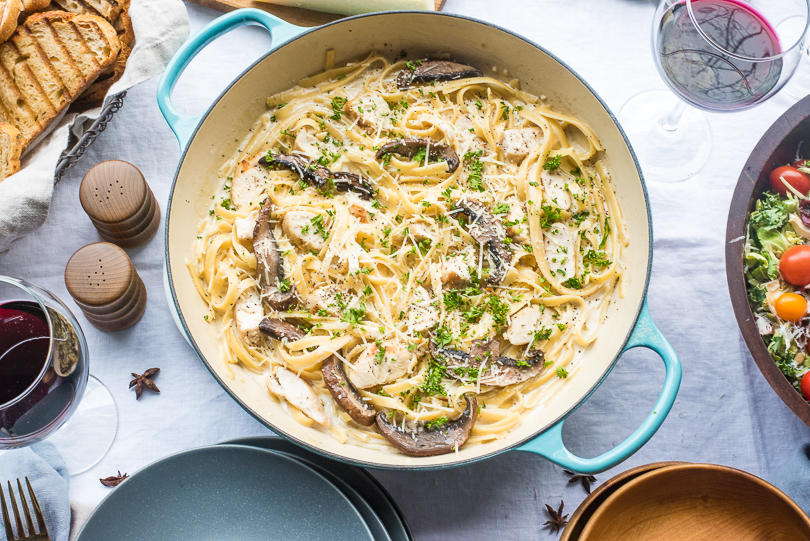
x: 358, y: 479
x: 777, y: 147
x: 226, y: 492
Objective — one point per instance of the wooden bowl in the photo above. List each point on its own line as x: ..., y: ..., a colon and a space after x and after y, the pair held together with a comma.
x: 577, y: 522
x: 777, y: 147
x: 692, y: 502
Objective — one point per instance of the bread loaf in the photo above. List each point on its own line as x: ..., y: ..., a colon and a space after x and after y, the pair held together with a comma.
x: 10, y: 150
x: 9, y: 13
x: 47, y: 63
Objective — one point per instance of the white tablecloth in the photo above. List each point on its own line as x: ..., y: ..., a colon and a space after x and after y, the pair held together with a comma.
x: 725, y: 413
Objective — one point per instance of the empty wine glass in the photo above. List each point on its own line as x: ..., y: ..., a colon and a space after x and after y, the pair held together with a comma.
x: 715, y: 55
x: 45, y: 388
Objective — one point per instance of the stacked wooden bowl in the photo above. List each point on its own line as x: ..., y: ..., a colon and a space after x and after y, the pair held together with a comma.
x: 679, y: 501
x: 122, y: 207
x: 104, y: 283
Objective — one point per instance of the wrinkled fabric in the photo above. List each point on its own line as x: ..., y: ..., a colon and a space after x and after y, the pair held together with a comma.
x: 44, y: 467
x: 161, y: 26
x: 793, y: 477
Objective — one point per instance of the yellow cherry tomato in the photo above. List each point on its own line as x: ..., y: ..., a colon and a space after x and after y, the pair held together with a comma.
x: 791, y: 306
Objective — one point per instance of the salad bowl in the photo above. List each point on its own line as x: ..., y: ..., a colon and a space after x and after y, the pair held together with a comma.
x: 779, y: 146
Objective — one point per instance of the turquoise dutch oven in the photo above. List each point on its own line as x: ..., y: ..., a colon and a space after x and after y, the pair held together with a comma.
x: 298, y: 53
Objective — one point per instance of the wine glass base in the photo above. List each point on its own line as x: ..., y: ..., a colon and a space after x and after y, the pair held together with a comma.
x: 664, y: 155
x: 89, y: 433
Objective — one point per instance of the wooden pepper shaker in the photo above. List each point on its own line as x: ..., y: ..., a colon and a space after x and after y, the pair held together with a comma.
x: 120, y: 203
x: 104, y: 283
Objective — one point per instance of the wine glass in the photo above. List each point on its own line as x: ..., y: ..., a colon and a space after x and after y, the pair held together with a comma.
x: 715, y: 55
x: 45, y: 388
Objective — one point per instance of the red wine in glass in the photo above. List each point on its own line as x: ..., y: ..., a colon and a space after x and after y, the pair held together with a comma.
x: 32, y: 393
x: 729, y: 70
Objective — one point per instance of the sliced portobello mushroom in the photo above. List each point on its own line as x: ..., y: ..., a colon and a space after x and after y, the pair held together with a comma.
x: 319, y: 176
x: 490, y: 233
x: 409, y: 146
x: 345, y: 182
x: 278, y: 329
x: 345, y: 394
x: 425, y: 441
x: 498, y: 370
x: 270, y: 263
x: 435, y: 70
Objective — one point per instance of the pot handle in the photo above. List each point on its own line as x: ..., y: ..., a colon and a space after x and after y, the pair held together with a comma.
x: 184, y: 125
x: 550, y: 444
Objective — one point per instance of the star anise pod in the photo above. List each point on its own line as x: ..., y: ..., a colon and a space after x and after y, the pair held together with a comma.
x: 144, y: 381
x: 586, y: 480
x: 558, y: 520
x: 114, y: 480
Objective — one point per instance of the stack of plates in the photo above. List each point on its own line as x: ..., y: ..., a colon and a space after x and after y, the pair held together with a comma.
x: 678, y: 501
x: 248, y: 489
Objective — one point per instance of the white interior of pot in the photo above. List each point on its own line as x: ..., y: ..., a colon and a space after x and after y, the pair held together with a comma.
x: 420, y: 34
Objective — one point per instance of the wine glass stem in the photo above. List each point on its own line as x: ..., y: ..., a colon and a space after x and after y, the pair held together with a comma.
x: 670, y: 122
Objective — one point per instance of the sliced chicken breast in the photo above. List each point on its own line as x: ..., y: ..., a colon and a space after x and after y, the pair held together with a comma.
x: 299, y: 393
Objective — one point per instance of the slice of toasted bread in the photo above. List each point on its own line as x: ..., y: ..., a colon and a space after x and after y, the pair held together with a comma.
x: 123, y: 25
x: 109, y: 9
x: 79, y: 7
x: 9, y: 13
x: 10, y: 150
x: 48, y: 62
x: 98, y: 90
x: 34, y: 6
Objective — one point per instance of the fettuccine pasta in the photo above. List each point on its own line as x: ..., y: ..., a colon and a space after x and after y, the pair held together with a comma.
x: 431, y: 238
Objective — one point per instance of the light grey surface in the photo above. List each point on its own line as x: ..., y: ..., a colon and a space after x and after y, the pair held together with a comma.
x: 726, y: 413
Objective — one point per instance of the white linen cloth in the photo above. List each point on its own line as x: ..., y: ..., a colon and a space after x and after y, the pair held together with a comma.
x: 726, y: 413
x: 161, y: 26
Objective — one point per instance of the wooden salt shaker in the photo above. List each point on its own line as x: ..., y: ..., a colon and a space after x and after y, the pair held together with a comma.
x: 120, y: 203
x: 104, y: 283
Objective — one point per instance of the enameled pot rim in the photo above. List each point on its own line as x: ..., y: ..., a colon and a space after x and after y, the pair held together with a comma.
x: 363, y: 463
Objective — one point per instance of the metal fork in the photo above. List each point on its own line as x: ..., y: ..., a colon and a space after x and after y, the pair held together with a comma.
x: 43, y: 530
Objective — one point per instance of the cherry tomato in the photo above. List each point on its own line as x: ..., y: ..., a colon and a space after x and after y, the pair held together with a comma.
x: 790, y: 306
x: 806, y: 386
x: 795, y: 265
x: 792, y: 176
x: 799, y: 163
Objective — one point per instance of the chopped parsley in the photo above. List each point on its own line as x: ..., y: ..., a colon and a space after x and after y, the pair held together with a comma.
x: 436, y: 424
x: 476, y: 177
x: 605, y: 233
x: 380, y: 355
x: 284, y: 285
x: 338, y: 102
x: 562, y: 372
x: 413, y: 64
x: 420, y: 155
x: 443, y: 336
x: 573, y: 283
x: 580, y: 217
x: 317, y: 221
x: 597, y: 259
x: 552, y: 164
x: 550, y: 215
x: 501, y: 208
x: 354, y: 316
x: 432, y: 385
